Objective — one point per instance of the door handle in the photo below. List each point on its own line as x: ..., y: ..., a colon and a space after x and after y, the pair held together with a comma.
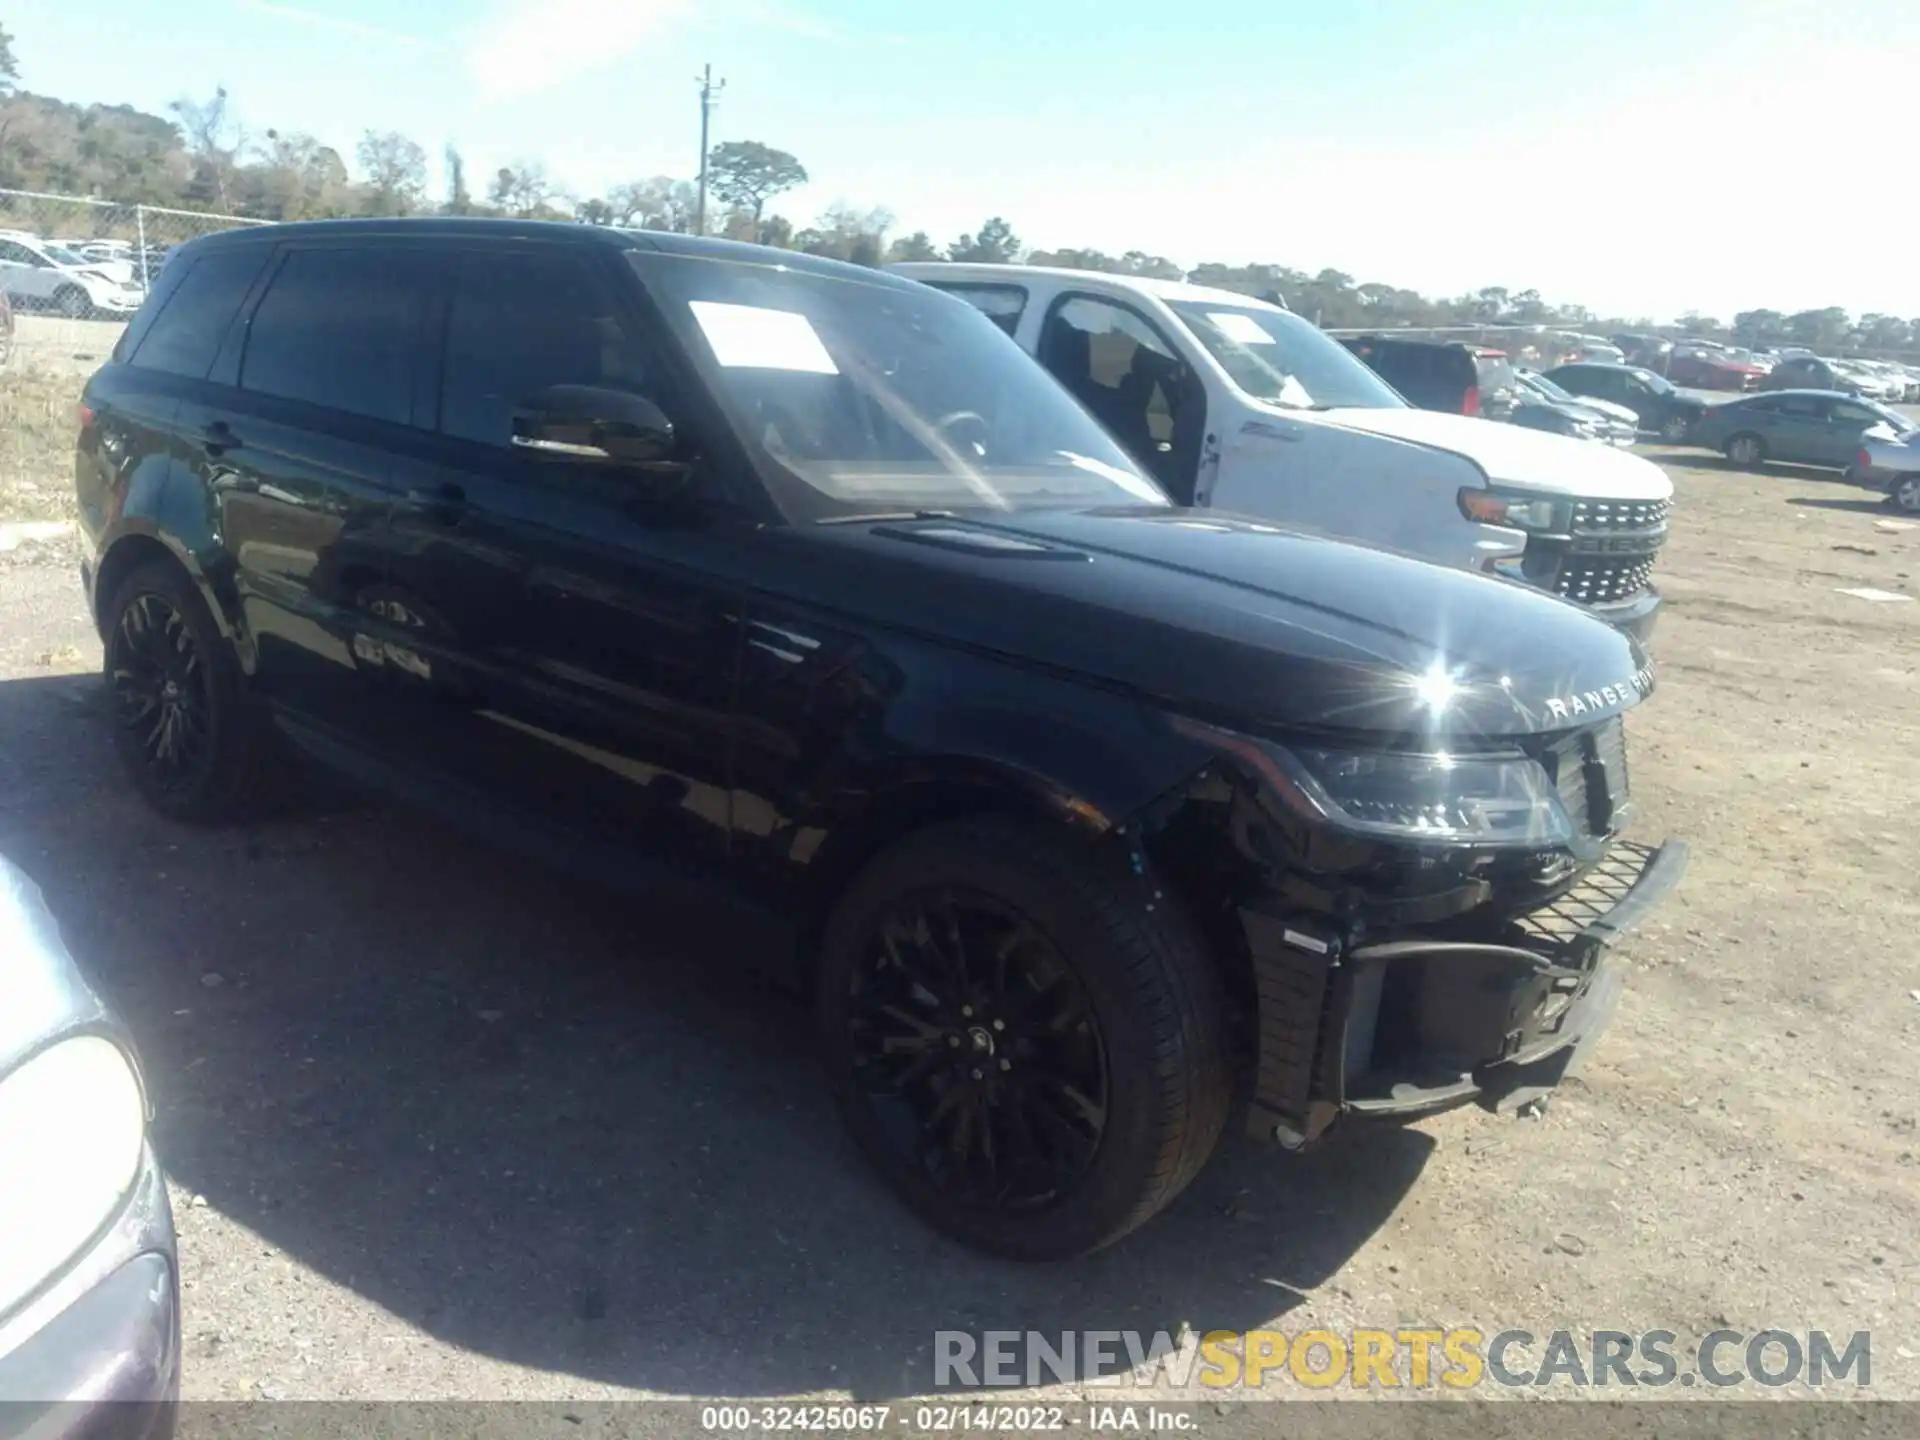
x: 218, y: 438
x: 440, y: 503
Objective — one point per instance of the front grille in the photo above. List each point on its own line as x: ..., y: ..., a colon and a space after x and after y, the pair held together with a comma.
x: 1602, y: 582
x: 1589, y: 770
x: 1610, y: 515
x: 1607, y: 554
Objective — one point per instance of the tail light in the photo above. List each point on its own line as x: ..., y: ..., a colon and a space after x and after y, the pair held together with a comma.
x: 1471, y: 405
x: 83, y: 414
x: 1863, y: 460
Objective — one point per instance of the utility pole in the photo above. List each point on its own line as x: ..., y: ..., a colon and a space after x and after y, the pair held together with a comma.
x: 709, y: 97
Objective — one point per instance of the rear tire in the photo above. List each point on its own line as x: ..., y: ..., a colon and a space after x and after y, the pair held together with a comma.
x: 1904, y: 494
x: 1747, y: 451
x: 73, y: 303
x: 191, y: 738
x: 1026, y: 1038
x: 1674, y: 429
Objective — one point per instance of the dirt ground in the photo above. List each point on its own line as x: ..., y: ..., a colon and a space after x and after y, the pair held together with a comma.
x: 441, y: 1125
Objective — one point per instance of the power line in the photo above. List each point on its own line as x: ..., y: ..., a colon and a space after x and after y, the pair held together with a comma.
x: 709, y: 97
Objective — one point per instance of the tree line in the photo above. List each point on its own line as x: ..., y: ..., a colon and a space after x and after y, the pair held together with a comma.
x: 200, y: 156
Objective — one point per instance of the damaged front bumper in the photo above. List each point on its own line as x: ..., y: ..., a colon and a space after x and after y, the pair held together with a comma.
x: 1407, y: 1027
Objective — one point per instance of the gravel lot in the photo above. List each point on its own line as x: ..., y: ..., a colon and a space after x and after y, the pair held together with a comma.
x: 440, y: 1125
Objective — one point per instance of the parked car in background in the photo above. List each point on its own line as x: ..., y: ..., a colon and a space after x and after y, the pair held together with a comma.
x: 1804, y: 427
x: 40, y: 276
x: 89, y: 1281
x: 1648, y: 350
x: 1871, y: 382
x: 1810, y: 372
x: 1543, y: 405
x: 1095, y: 821
x: 1701, y: 367
x: 1242, y: 407
x: 1901, y: 384
x: 1442, y: 375
x: 1662, y: 409
x: 1890, y: 463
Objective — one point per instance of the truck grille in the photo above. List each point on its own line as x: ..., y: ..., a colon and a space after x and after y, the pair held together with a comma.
x: 1590, y: 772
x: 1610, y: 515
x: 1602, y: 582
x: 1607, y: 554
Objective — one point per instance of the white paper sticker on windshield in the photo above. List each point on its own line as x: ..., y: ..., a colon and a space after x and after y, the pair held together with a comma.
x: 747, y: 337
x: 1239, y: 328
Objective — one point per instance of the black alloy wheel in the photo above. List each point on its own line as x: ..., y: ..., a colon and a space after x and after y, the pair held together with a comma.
x: 162, y: 691
x: 978, y: 1051
x: 190, y: 737
x: 1675, y: 429
x: 1024, y: 1033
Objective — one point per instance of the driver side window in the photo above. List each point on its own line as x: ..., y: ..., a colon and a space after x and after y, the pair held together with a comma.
x: 17, y: 254
x: 521, y: 322
x: 1117, y: 365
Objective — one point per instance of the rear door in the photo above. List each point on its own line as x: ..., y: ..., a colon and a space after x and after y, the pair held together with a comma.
x: 292, y: 435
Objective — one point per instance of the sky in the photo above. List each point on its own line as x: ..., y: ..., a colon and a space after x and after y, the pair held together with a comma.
x: 1640, y: 157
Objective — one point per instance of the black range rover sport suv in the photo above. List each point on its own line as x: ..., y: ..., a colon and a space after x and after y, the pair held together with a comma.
x: 690, y: 562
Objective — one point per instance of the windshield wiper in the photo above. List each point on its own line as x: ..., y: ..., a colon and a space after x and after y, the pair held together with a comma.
x: 880, y: 515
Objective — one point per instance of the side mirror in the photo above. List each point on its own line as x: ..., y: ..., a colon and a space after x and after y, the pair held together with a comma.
x: 590, y: 423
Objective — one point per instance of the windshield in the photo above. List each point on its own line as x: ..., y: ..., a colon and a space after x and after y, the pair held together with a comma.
x: 860, y: 397
x: 1283, y: 359
x: 60, y: 255
x: 1659, y: 384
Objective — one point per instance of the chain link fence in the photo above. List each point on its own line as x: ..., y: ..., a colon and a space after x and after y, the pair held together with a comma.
x: 75, y: 269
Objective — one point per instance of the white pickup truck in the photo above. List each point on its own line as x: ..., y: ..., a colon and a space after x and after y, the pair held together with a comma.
x: 1234, y: 403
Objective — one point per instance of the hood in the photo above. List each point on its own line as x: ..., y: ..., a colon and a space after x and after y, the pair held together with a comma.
x: 1227, y: 619
x: 1512, y: 455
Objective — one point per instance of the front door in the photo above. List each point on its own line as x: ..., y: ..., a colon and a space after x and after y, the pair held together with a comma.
x: 1839, y: 439
x: 576, y: 644
x: 1795, y: 428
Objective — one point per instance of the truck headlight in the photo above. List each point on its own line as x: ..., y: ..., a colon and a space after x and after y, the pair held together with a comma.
x: 72, y: 1123
x: 1520, y: 512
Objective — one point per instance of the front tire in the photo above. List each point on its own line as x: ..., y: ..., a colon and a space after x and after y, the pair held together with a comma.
x: 1749, y: 452
x: 190, y: 737
x: 1025, y: 1037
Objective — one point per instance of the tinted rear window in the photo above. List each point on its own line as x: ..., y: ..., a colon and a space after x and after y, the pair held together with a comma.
x: 185, y: 333
x: 337, y: 328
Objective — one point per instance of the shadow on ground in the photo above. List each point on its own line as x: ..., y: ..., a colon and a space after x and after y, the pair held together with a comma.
x: 1868, y: 505
x: 559, y: 1128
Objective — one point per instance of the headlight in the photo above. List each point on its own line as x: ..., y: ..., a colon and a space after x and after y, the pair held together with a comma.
x: 1478, y: 800
x: 1521, y: 512
x: 72, y: 1121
